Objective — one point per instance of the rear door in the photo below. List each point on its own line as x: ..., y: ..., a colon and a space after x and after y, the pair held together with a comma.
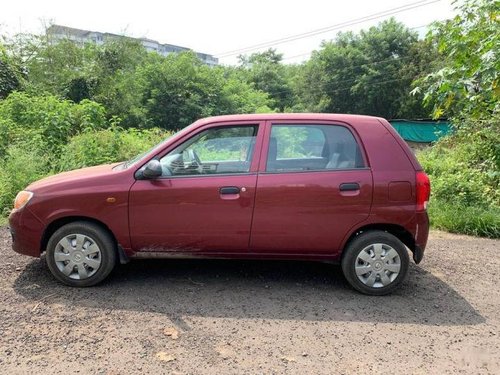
x: 204, y: 200
x: 314, y: 185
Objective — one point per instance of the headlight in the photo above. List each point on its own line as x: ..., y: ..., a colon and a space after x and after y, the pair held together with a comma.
x: 22, y: 198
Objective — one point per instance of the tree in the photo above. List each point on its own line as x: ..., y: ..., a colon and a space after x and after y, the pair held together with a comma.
x: 468, y: 83
x: 79, y: 88
x: 57, y: 67
x: 9, y: 80
x: 116, y: 84
x: 180, y: 89
x: 331, y: 73
x: 238, y: 96
x: 176, y: 90
x: 56, y: 64
x: 266, y: 73
x: 369, y: 73
x: 46, y: 122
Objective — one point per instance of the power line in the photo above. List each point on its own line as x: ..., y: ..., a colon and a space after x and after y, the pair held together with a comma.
x: 308, y: 53
x: 374, y: 83
x: 357, y: 77
x: 385, y: 13
x: 291, y: 38
x: 371, y: 84
x: 371, y: 63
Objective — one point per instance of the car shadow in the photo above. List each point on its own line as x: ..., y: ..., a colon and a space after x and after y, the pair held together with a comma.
x: 253, y: 290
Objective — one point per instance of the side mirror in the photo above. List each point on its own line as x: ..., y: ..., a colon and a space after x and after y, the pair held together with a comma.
x: 152, y: 169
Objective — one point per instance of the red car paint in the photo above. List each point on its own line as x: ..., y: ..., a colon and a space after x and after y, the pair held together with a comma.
x: 277, y: 215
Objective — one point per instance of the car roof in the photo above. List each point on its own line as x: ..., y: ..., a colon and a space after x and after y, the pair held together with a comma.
x: 285, y: 116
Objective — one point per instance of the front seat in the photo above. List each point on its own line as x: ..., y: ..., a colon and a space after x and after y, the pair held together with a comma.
x: 333, y: 163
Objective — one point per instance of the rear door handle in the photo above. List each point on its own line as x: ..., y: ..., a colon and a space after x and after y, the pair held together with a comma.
x: 349, y: 186
x: 229, y: 190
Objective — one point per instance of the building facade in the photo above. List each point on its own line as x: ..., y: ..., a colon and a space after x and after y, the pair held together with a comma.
x: 58, y: 32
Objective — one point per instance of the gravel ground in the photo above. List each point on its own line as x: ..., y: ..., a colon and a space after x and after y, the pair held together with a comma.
x: 250, y: 317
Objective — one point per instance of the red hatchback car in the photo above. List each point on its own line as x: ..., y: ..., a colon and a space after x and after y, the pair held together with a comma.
x: 324, y: 187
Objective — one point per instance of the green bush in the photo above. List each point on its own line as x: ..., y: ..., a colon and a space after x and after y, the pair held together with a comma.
x: 46, y: 122
x: 465, y: 178
x: 107, y: 146
x: 21, y: 166
x: 42, y: 135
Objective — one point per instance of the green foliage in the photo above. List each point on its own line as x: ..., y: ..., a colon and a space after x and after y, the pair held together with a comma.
x: 23, y: 163
x: 465, y: 167
x: 78, y: 89
x: 46, y: 122
x: 474, y: 221
x: 54, y: 66
x: 9, y: 80
x: 224, y: 145
x: 116, y: 83
x: 468, y: 82
x: 367, y: 73
x: 266, y: 73
x: 292, y: 141
x: 465, y: 175
x: 176, y: 90
x: 179, y: 89
x: 370, y: 73
x: 34, y: 131
x: 238, y: 96
x: 19, y: 167
x: 107, y: 146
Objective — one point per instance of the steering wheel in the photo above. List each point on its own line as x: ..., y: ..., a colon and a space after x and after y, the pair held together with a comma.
x: 193, y: 156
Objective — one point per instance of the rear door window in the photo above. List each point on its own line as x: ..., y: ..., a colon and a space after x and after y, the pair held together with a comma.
x: 312, y: 147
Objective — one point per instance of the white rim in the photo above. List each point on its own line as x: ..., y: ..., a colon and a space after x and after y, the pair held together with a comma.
x: 77, y: 256
x: 377, y: 265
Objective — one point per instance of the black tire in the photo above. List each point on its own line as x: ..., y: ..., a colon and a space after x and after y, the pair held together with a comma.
x: 97, y: 234
x: 361, y: 242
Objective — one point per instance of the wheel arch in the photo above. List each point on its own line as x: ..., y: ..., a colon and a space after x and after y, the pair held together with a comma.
x: 396, y: 230
x: 60, y: 222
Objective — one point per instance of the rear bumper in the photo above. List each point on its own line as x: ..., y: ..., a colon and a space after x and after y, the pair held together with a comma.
x: 421, y: 236
x: 26, y: 231
x: 418, y: 254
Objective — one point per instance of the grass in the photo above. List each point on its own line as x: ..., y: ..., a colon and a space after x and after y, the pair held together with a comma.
x: 473, y: 221
x: 3, y: 221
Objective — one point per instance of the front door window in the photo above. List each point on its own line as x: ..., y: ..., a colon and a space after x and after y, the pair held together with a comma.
x: 213, y: 151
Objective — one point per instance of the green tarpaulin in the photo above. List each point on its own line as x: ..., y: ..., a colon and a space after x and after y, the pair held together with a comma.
x: 421, y: 131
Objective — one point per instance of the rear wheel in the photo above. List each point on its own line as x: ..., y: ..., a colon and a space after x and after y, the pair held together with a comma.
x: 375, y: 263
x: 81, y: 254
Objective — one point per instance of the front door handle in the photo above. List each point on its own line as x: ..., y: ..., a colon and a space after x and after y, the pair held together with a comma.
x: 349, y: 186
x: 229, y: 190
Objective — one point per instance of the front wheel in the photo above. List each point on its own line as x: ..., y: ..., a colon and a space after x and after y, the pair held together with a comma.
x: 375, y: 263
x: 81, y: 254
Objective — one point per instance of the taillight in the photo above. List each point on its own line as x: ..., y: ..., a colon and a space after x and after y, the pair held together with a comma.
x: 423, y: 190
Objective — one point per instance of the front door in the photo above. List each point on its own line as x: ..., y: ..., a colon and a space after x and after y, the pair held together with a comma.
x: 312, y: 189
x: 204, y: 200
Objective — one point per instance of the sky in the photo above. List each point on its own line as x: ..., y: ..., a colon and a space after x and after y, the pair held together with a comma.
x: 219, y: 26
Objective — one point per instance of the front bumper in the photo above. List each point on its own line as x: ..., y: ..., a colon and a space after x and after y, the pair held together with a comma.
x: 26, y: 231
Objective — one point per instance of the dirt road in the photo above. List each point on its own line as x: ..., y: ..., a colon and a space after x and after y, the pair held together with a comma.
x: 251, y: 317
